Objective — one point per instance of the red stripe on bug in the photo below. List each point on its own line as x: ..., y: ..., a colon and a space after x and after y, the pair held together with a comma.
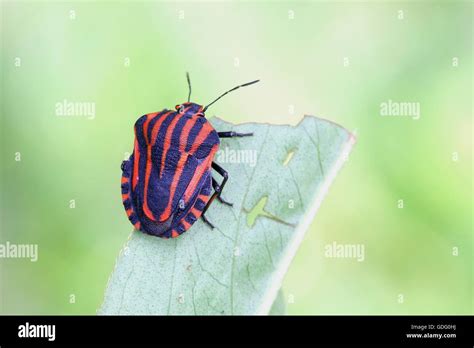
x: 154, y: 134
x: 174, y: 234
x: 149, y: 117
x: 205, y: 165
x: 124, y: 180
x: 129, y: 212
x: 179, y: 168
x: 146, y: 209
x: 136, y: 161
x: 167, y: 143
x: 201, y: 137
x: 125, y: 196
x: 203, y: 198
x: 183, y: 139
x: 137, y: 225
x: 168, y: 139
x: 195, y: 212
x: 186, y: 224
x: 156, y: 127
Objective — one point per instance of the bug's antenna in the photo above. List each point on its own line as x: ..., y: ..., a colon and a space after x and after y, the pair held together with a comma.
x: 189, y: 84
x: 230, y: 90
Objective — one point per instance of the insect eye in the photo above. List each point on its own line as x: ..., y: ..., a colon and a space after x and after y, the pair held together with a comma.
x: 181, y: 109
x: 177, y: 107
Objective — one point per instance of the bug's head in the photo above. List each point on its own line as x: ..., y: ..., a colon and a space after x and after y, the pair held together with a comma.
x: 189, y: 108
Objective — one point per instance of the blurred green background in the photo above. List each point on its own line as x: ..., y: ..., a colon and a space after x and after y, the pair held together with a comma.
x: 339, y: 61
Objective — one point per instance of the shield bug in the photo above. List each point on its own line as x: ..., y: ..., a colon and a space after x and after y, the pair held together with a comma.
x: 167, y: 182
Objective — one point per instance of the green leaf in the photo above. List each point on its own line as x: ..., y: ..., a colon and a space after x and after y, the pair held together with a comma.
x: 279, y: 305
x: 238, y: 267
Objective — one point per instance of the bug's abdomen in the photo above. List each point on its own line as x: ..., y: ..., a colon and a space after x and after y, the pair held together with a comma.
x: 194, y: 212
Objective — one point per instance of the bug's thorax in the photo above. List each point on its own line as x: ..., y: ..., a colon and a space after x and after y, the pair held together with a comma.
x: 193, y: 112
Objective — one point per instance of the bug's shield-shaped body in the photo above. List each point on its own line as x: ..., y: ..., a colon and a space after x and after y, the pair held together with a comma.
x: 166, y: 182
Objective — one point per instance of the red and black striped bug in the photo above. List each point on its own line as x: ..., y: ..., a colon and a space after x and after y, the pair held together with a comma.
x: 167, y: 181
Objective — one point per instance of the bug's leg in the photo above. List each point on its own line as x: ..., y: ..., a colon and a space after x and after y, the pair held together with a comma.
x: 233, y: 134
x: 204, y: 218
x: 218, y: 189
x: 214, y: 195
x: 224, y: 174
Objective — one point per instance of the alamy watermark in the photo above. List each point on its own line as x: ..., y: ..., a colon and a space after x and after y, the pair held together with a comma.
x: 28, y: 330
x: 402, y: 109
x: 67, y: 108
x: 240, y: 156
x: 19, y: 251
x: 345, y: 251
